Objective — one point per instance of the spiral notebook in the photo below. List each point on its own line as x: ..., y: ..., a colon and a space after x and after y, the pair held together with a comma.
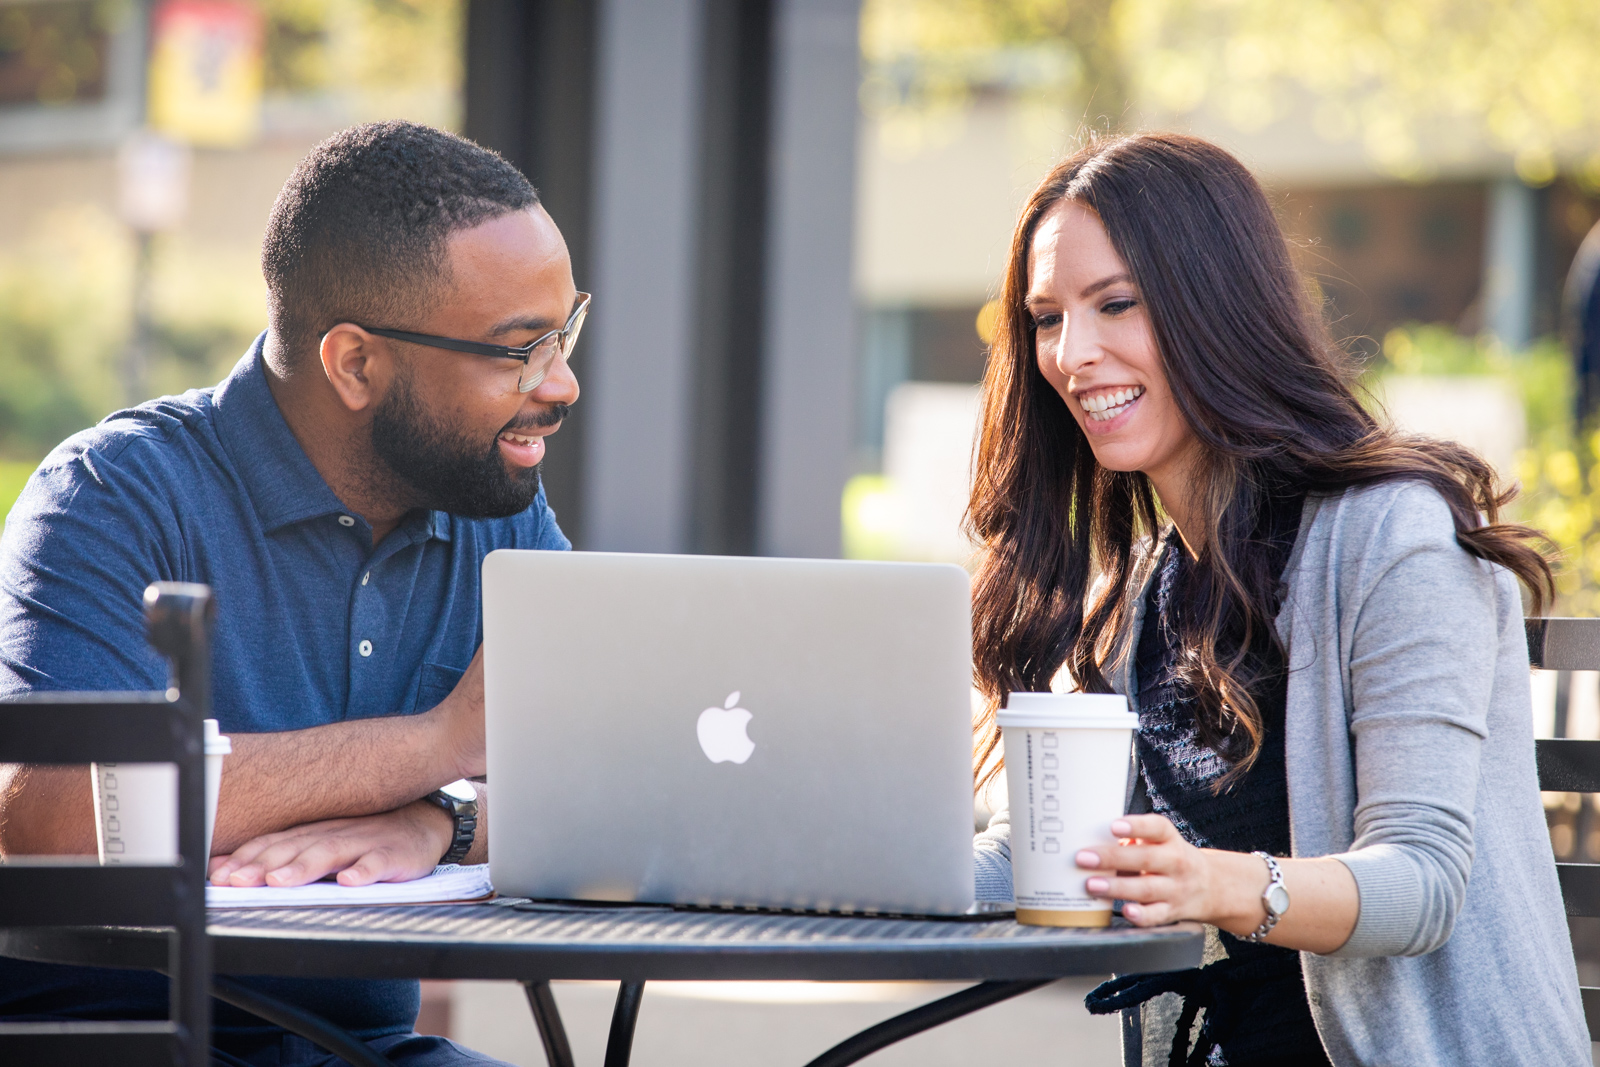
x: 449, y: 883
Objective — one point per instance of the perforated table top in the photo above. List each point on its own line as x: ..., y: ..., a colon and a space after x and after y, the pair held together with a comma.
x: 496, y: 940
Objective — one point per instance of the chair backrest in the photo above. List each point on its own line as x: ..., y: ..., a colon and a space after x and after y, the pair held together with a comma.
x: 1571, y: 765
x: 158, y: 727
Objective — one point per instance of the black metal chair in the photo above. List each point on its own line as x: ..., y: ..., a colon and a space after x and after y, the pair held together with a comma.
x: 1571, y: 765
x: 164, y: 727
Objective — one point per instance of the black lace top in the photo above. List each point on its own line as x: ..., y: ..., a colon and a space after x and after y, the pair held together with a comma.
x: 1255, y: 999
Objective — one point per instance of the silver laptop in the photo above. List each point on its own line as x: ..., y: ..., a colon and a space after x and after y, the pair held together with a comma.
x: 726, y: 731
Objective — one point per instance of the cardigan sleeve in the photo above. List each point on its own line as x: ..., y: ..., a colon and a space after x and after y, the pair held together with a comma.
x: 991, y: 860
x: 1419, y: 618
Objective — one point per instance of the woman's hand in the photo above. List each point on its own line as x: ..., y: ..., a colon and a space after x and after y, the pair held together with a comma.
x: 1161, y: 878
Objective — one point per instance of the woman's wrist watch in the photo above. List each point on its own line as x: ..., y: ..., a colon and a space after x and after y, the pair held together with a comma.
x: 459, y: 800
x: 1275, y: 898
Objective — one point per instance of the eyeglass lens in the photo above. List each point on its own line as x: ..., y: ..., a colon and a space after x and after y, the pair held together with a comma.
x: 540, y: 359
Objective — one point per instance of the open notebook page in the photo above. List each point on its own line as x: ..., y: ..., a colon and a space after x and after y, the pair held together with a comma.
x: 447, y: 882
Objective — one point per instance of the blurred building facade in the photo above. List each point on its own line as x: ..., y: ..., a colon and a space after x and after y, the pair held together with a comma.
x: 774, y: 254
x: 1465, y: 243
x: 75, y: 87
x: 698, y: 154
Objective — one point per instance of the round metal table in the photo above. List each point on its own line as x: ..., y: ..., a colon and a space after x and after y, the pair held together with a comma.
x: 535, y: 943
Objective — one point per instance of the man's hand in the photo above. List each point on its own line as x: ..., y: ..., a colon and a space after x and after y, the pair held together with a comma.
x: 350, y: 769
x: 396, y: 846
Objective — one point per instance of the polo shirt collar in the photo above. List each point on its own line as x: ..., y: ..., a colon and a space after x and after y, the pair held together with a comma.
x: 283, y: 485
x: 439, y: 525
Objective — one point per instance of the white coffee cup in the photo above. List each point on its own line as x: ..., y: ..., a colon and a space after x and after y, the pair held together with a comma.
x: 217, y: 747
x: 136, y: 805
x: 1068, y: 756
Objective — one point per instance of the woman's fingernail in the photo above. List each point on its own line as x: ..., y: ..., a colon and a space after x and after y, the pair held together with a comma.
x: 1097, y: 885
x: 1122, y: 827
x: 1087, y: 859
x: 1132, y: 911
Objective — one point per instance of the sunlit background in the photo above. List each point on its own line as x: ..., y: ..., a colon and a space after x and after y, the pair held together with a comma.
x: 1436, y: 162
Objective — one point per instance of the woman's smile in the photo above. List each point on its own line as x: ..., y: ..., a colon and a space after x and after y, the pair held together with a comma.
x: 1105, y: 407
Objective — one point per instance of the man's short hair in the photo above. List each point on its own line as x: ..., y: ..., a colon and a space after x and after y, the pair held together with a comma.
x: 358, y: 233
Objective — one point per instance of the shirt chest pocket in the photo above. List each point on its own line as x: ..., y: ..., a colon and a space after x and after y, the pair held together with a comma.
x: 436, y: 683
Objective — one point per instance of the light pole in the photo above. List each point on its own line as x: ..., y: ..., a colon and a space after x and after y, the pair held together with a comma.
x: 152, y: 197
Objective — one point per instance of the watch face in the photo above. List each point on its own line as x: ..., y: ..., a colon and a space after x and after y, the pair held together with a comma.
x: 461, y: 790
x: 1277, y: 900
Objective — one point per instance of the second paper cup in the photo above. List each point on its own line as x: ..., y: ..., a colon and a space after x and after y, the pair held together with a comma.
x: 1068, y: 757
x: 136, y: 805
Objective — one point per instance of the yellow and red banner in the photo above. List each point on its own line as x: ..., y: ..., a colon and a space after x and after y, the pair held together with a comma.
x: 205, y: 71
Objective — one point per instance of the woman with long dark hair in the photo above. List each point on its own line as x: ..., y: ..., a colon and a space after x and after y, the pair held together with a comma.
x: 1318, y: 620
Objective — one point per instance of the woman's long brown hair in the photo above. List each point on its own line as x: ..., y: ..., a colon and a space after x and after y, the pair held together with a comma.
x: 1263, y: 388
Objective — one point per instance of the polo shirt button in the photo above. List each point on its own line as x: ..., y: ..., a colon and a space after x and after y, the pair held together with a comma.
x: 365, y: 648
x: 345, y: 520
x: 365, y: 576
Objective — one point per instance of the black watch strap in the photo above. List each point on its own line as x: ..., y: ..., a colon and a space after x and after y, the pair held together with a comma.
x: 459, y: 800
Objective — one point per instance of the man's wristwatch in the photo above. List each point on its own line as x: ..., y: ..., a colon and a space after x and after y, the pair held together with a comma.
x: 459, y: 800
x: 1275, y: 898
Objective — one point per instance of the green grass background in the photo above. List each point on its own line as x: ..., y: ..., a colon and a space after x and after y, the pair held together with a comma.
x: 13, y: 476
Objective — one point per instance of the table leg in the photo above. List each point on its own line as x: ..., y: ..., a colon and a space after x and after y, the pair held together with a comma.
x: 915, y: 1021
x: 547, y: 1017
x: 296, y: 1020
x: 619, y: 1046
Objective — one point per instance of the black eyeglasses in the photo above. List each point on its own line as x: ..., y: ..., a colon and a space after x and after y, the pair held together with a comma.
x: 536, y: 356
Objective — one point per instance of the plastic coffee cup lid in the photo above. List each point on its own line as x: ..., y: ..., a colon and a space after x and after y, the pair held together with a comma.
x: 215, y: 743
x: 1068, y: 711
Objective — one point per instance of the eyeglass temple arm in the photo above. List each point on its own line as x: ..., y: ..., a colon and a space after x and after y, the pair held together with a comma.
x: 476, y: 348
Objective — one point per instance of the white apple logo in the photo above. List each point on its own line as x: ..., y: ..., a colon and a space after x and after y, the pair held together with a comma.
x: 721, y: 732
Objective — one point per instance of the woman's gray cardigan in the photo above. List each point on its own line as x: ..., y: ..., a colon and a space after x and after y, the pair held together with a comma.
x: 1409, y: 742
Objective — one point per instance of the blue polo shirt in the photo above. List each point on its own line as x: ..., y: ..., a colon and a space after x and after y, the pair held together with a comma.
x: 314, y: 624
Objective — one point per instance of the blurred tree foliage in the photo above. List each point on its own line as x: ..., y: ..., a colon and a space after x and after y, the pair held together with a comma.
x: 64, y: 323
x: 1558, y: 473
x: 1561, y: 488
x: 380, y: 58
x: 55, y: 53
x: 927, y: 56
x: 61, y: 324
x: 65, y: 288
x: 1399, y: 75
x: 296, y: 46
x: 1541, y: 374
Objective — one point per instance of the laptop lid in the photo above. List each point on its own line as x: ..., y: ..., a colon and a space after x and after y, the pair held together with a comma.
x: 729, y: 731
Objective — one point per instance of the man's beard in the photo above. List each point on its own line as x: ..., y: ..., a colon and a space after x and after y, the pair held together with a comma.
x: 444, y: 466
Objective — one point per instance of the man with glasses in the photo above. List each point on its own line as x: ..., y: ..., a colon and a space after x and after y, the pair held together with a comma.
x: 338, y: 490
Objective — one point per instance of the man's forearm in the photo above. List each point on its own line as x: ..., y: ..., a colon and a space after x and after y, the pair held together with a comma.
x: 271, y: 782
x: 394, y: 846
x: 47, y: 811
x: 275, y: 781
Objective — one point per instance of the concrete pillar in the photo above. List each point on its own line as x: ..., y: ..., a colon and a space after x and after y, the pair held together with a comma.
x: 700, y: 156
x: 530, y: 75
x: 638, y: 353
x: 1510, y: 262
x: 809, y: 371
